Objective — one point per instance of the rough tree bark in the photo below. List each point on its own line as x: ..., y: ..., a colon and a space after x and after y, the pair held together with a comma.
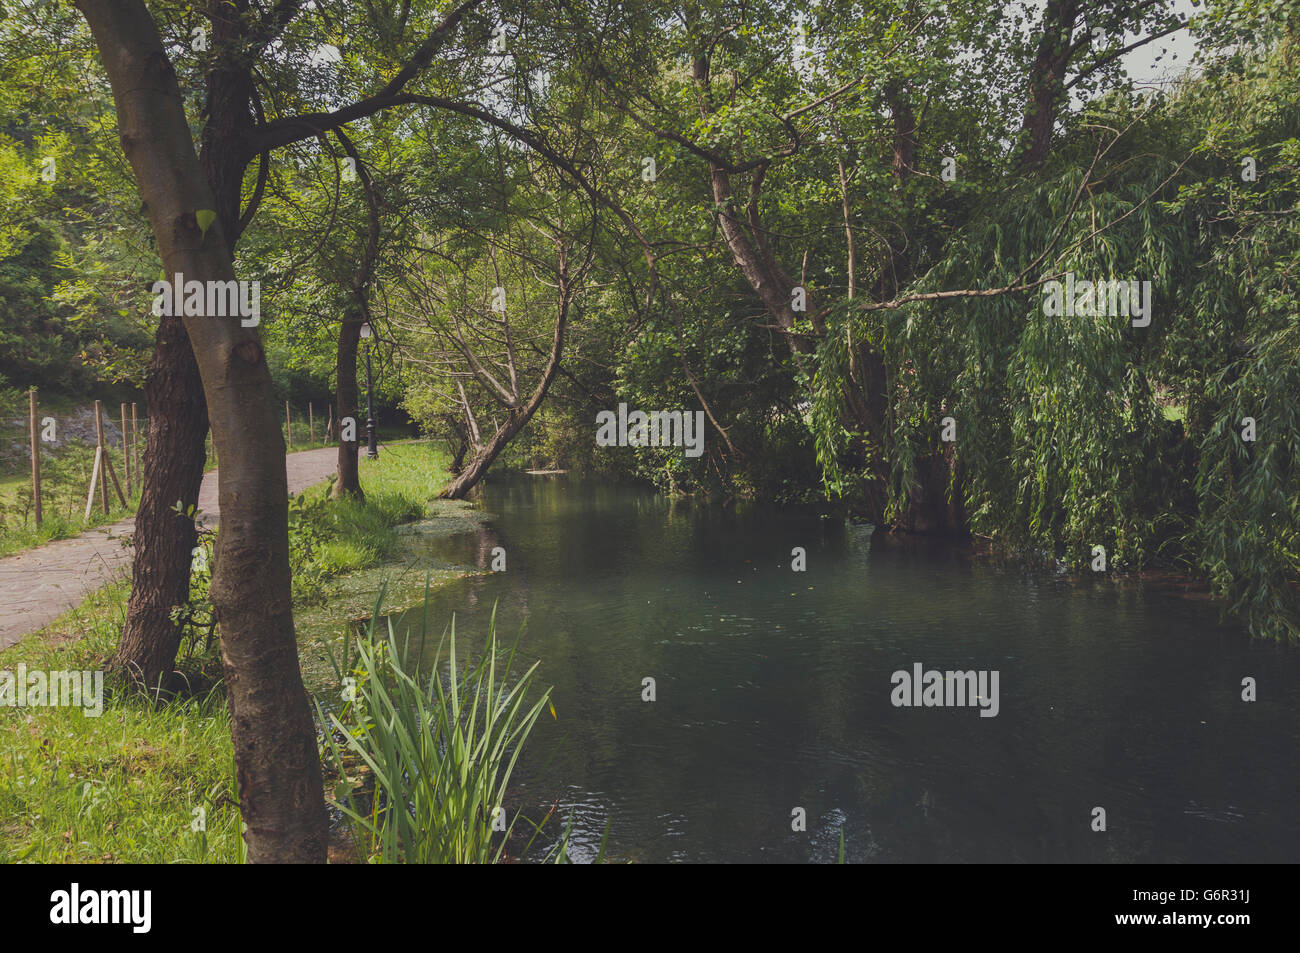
x: 277, y: 766
x: 345, y: 371
x: 1047, y: 81
x: 164, y: 539
x: 175, y: 449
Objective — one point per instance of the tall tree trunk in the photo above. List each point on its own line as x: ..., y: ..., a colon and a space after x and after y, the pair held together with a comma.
x: 160, y: 576
x: 478, y: 467
x: 349, y: 481
x: 276, y: 760
x: 1047, y: 81
x: 164, y: 539
x: 929, y: 509
x: 754, y: 257
x: 900, y: 108
x: 229, y: 120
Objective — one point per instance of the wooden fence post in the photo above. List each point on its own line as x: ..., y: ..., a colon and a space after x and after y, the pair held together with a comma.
x: 135, y: 445
x: 311, y: 425
x: 36, y: 459
x: 106, y: 468
x: 94, y: 478
x: 288, y: 423
x: 99, y: 452
x: 126, y: 454
x: 108, y: 465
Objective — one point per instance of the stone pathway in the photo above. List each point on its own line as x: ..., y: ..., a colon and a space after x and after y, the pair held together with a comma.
x: 39, y: 585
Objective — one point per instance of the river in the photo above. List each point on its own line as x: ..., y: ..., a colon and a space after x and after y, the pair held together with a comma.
x: 772, y: 693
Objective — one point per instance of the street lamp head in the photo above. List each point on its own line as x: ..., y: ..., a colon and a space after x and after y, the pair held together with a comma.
x: 365, y: 330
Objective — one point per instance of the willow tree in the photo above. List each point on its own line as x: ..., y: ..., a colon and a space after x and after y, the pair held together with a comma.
x: 773, y: 109
x: 826, y: 141
x: 1104, y: 438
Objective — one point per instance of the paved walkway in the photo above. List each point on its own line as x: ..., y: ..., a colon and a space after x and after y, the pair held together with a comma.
x: 39, y: 585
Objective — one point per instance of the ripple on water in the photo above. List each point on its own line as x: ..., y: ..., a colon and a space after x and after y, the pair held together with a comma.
x: 773, y: 692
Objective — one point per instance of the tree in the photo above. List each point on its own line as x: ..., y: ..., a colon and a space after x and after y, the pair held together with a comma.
x: 489, y: 319
x: 356, y: 315
x: 234, y: 134
x: 1090, y: 51
x: 277, y: 765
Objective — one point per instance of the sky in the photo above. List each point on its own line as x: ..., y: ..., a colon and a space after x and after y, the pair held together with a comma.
x: 1142, y: 64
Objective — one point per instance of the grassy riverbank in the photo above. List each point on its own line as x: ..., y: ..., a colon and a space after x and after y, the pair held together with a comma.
x: 142, y: 783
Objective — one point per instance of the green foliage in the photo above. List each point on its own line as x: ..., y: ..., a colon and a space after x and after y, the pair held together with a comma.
x: 440, y: 750
x: 65, y: 475
x: 35, y: 347
x: 125, y: 787
x: 198, y: 645
x: 327, y: 538
x: 1075, y: 431
x: 130, y: 786
x: 1072, y: 432
x: 73, y: 256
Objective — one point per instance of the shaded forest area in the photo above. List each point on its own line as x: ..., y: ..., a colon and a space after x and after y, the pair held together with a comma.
x: 839, y: 231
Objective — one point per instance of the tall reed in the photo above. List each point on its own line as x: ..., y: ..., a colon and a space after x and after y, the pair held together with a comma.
x: 441, y: 748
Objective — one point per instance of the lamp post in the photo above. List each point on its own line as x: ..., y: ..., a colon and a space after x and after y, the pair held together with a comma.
x: 372, y: 445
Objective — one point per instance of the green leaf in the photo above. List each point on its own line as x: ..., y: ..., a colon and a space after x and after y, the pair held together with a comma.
x: 205, y: 218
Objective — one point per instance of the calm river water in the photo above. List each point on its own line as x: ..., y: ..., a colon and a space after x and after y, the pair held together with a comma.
x: 773, y: 692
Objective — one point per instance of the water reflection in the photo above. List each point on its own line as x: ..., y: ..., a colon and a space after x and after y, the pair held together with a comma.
x: 773, y: 693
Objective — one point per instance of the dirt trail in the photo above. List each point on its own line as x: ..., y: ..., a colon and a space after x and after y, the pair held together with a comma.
x: 39, y: 585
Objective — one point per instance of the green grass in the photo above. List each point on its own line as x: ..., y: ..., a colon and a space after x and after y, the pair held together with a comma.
x: 343, y: 555
x: 415, y: 470
x: 439, y: 755
x: 16, y: 536
x: 126, y: 786
x: 122, y: 787
x: 331, y: 537
x: 65, y: 475
x: 411, y: 473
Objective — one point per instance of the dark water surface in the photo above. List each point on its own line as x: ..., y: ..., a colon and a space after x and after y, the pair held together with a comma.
x: 773, y: 692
